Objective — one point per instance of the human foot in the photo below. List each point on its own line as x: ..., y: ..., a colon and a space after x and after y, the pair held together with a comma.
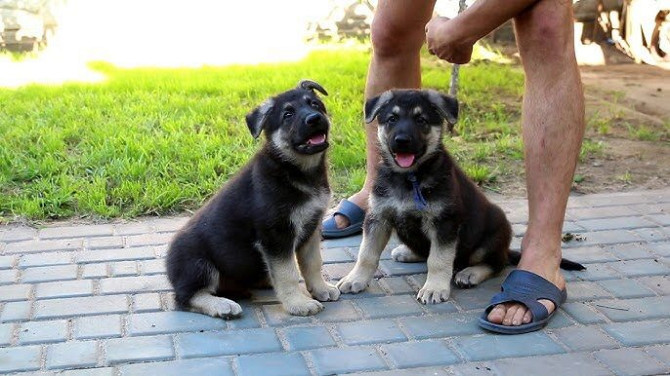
x: 514, y: 313
x: 360, y: 199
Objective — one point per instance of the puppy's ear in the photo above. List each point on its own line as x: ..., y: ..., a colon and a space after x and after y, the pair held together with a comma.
x: 445, y: 105
x: 257, y: 118
x: 311, y: 85
x: 373, y: 105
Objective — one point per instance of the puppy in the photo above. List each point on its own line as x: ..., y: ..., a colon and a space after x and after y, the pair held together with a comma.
x: 436, y: 210
x: 264, y: 218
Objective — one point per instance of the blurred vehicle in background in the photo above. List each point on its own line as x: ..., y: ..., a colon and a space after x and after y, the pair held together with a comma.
x: 638, y: 28
x: 27, y: 25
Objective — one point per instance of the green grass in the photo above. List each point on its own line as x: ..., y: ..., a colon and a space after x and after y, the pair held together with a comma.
x: 161, y: 141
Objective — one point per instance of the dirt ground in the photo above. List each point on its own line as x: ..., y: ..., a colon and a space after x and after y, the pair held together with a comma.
x: 628, y: 112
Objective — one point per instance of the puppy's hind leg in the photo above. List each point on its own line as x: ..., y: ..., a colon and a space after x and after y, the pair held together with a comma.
x: 402, y: 253
x: 473, y: 275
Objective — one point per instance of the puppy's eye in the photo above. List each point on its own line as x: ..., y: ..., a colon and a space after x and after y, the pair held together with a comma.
x: 421, y: 120
x: 287, y: 114
x: 392, y: 119
x: 315, y: 104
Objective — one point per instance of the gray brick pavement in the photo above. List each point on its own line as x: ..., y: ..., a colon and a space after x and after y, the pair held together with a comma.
x: 94, y: 300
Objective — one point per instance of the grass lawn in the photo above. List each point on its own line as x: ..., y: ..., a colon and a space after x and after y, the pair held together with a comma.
x: 161, y: 141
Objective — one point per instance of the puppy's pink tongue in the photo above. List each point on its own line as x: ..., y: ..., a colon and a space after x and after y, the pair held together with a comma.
x: 404, y: 159
x: 318, y: 139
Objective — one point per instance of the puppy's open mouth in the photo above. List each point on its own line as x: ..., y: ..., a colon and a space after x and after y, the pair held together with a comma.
x: 404, y: 160
x: 314, y: 144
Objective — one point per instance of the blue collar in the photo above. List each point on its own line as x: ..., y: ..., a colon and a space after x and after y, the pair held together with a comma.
x: 419, y: 200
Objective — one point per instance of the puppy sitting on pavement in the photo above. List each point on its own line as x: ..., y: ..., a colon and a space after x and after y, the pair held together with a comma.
x: 264, y: 218
x: 436, y: 210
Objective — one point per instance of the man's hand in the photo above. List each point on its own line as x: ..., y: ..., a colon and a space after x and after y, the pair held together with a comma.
x: 447, y: 41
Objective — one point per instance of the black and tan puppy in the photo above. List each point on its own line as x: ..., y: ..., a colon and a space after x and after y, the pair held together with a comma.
x: 436, y: 210
x: 264, y: 218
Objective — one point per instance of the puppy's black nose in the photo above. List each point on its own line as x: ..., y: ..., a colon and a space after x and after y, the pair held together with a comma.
x: 313, y: 119
x: 402, y: 140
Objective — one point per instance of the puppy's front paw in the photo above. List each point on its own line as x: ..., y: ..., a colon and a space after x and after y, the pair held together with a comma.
x: 328, y: 293
x: 402, y: 253
x: 352, y: 283
x: 433, y: 294
x: 302, y: 306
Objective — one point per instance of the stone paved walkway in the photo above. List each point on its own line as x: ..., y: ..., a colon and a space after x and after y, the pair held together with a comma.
x: 94, y: 300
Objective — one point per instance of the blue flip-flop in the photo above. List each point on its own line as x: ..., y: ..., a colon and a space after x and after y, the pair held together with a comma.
x: 525, y: 287
x: 352, y: 212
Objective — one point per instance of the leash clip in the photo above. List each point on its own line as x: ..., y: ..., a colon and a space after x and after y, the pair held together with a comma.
x: 419, y: 200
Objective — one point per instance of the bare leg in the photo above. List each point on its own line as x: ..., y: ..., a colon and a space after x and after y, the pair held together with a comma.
x: 397, y: 35
x: 553, y: 127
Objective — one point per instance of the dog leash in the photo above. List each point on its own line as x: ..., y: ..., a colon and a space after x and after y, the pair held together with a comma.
x: 419, y: 200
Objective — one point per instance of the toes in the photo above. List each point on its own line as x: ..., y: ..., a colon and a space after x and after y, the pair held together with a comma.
x: 328, y: 293
x: 527, y: 317
x: 432, y: 296
x: 304, y: 308
x: 518, y: 316
x: 351, y: 285
x: 509, y: 315
x: 497, y: 314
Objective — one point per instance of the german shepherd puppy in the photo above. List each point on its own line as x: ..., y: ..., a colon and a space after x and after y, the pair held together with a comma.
x: 436, y: 210
x: 264, y: 218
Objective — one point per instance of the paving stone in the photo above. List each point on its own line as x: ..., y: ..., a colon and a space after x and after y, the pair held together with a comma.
x: 471, y: 369
x: 146, y: 302
x: 626, y: 288
x: 661, y: 353
x: 38, y: 246
x: 46, y: 259
x: 338, y: 311
x: 652, y: 234
x: 274, y: 364
x: 604, y: 238
x: 10, y: 293
x: 6, y: 331
x: 75, y: 231
x: 420, y: 354
x: 7, y: 262
x: 64, y: 289
x: 560, y: 320
x: 339, y: 270
x: 335, y: 255
x: 630, y: 362
x: 601, y: 212
x: 42, y: 332
x: 148, y: 239
x: 17, y: 359
x: 661, y: 219
x: 629, y: 251
x: 72, y: 354
x: 449, y: 325
x: 373, y: 290
x: 123, y: 268
x: 394, y: 268
x: 594, y: 272
x: 660, y: 284
x: 369, y: 332
x: 248, y: 320
x: 191, y: 345
x: 168, y: 224
x: 396, y: 285
x: 17, y: 233
x: 308, y: 337
x: 389, y: 306
x: 639, y: 333
x: 276, y: 315
x: 586, y: 290
x: 140, y: 324
x: 106, y: 242
x: 94, y: 271
x: 88, y: 305
x: 489, y: 347
x: 91, y: 327
x: 346, y: 360
x: 132, y: 228
x: 641, y: 268
x: 140, y: 349
x: 8, y: 277
x: 205, y: 366
x: 16, y: 311
x: 49, y: 273
x: 634, y: 309
x: 580, y: 364
x: 629, y: 222
x: 140, y: 284
x: 479, y: 297
x: 660, y: 248
x: 155, y: 266
x: 583, y: 313
x: 125, y: 254
x: 589, y: 255
x: 351, y: 241
x: 584, y: 338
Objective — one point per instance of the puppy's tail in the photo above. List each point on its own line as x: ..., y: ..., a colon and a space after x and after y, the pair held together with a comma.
x: 515, y: 256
